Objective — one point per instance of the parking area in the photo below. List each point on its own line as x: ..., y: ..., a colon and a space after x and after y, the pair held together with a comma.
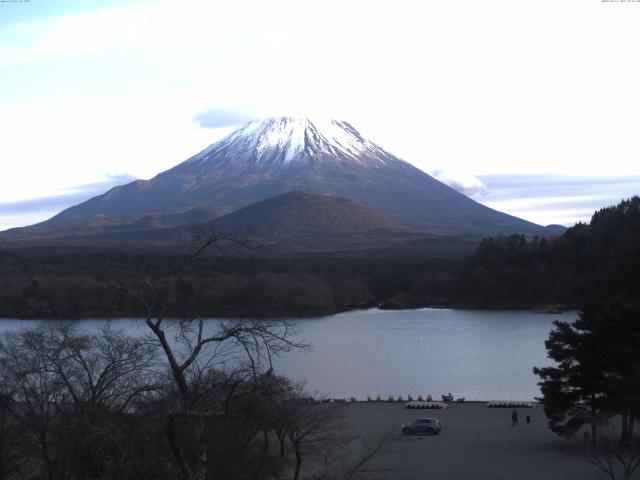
x: 476, y: 442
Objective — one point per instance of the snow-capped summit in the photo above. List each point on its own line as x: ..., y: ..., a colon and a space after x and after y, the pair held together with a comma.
x: 278, y: 155
x: 285, y: 140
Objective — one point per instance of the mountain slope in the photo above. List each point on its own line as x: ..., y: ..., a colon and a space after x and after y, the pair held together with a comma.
x: 299, y: 214
x: 291, y: 224
x: 270, y: 157
x: 116, y: 224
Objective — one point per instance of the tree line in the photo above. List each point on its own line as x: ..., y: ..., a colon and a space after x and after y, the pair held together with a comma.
x: 589, y: 260
x: 594, y: 385
x: 599, y: 259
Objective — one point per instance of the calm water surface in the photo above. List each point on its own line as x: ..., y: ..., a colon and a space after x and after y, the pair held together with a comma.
x: 477, y: 354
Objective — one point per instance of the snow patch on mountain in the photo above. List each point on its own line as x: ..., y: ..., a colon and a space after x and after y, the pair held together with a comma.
x: 286, y: 140
x: 285, y: 134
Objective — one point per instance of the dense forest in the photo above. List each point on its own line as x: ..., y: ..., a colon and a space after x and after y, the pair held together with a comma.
x: 592, y: 389
x: 599, y: 259
x: 504, y: 272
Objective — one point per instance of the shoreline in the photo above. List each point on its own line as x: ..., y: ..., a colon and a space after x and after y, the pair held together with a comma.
x: 567, y: 309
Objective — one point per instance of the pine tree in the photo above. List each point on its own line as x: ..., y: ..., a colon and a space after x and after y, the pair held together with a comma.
x: 597, y: 374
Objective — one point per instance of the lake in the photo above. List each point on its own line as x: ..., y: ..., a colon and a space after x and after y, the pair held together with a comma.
x: 476, y: 354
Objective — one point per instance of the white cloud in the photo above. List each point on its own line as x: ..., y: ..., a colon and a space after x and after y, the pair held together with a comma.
x: 556, y: 199
x: 466, y: 88
x: 35, y: 210
x: 141, y: 136
x: 463, y: 182
x: 161, y: 28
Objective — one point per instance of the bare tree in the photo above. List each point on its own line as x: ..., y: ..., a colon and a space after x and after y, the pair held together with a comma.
x: 10, y: 463
x: 281, y: 409
x: 105, y: 369
x: 37, y: 392
x: 311, y: 424
x: 616, y: 458
x: 349, y: 457
x: 67, y: 386
x: 192, y: 347
x: 316, y: 430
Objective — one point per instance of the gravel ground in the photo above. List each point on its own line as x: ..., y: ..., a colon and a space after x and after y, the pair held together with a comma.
x: 476, y: 443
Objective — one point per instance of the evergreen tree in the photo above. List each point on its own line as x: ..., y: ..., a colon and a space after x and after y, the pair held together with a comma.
x: 598, y: 369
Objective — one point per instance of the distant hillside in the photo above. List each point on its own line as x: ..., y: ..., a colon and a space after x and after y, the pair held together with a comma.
x: 299, y: 214
x: 291, y: 224
x: 589, y: 261
x: 105, y: 226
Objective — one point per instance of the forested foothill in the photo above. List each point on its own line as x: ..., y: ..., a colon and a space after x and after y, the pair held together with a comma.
x: 589, y: 260
x: 593, y: 387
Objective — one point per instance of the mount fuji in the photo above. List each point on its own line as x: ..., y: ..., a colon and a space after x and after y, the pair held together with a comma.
x: 271, y: 157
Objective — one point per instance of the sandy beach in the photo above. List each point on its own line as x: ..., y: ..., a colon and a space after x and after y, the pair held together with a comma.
x: 476, y: 443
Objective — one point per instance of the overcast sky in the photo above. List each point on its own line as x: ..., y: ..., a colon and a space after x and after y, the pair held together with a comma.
x: 530, y: 107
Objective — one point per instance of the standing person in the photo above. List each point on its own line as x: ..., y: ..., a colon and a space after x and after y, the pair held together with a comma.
x: 514, y: 418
